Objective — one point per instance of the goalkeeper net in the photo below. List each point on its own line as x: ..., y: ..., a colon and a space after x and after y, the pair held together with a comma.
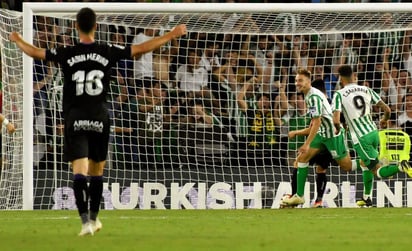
x: 203, y: 121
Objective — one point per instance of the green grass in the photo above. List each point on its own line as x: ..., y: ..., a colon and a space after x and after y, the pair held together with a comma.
x: 288, y: 229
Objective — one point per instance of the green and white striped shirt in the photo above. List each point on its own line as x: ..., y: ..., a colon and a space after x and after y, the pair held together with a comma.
x: 318, y: 106
x: 355, y: 102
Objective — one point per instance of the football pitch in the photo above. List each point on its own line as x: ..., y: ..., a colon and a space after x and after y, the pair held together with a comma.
x: 286, y: 229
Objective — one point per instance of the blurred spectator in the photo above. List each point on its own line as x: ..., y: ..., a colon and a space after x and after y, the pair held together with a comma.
x: 150, y: 123
x: 125, y: 146
x: 393, y: 41
x: 4, y: 4
x: 192, y: 79
x: 209, y: 59
x: 124, y: 67
x: 143, y: 66
x: 261, y: 141
x: 301, y: 56
x: 405, y: 118
x: 295, y: 119
x: 264, y: 52
x: 162, y: 65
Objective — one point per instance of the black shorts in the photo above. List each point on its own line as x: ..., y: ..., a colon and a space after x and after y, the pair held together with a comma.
x: 323, y: 159
x: 86, y: 134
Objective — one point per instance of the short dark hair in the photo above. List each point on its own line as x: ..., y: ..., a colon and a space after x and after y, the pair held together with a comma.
x: 345, y: 71
x: 86, y: 19
x: 319, y: 84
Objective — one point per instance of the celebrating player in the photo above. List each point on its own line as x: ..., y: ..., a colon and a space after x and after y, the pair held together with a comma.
x: 321, y: 135
x: 86, y: 67
x: 355, y: 102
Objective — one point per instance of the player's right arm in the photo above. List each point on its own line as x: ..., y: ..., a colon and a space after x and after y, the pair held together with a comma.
x: 29, y: 49
x: 301, y: 132
x: 313, y: 130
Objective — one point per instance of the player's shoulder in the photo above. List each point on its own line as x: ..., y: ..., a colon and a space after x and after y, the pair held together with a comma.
x: 314, y: 92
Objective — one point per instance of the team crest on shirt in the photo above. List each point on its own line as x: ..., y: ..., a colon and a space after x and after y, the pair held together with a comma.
x: 312, y: 111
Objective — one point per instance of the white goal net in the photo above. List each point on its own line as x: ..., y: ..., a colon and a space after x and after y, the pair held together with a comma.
x: 202, y: 122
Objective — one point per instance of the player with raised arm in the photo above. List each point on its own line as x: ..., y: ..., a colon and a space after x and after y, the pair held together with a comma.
x: 321, y: 135
x: 86, y: 68
x: 355, y: 102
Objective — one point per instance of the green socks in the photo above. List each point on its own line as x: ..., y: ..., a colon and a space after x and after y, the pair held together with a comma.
x: 367, y: 176
x: 302, y: 174
x: 387, y: 171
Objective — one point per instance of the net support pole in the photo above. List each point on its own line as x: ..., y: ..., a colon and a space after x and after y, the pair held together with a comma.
x: 27, y: 113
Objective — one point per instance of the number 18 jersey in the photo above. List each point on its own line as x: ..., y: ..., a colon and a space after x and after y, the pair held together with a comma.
x: 355, y: 102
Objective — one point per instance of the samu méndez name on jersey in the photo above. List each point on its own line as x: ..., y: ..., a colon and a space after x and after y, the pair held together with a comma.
x: 90, y: 56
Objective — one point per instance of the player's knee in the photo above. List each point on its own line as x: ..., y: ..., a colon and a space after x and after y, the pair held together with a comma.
x: 372, y: 164
x: 345, y: 164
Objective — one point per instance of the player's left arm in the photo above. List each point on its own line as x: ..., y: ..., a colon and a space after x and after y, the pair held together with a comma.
x: 155, y: 43
x: 336, y: 108
x: 27, y: 48
x: 383, y: 106
x: 386, y: 113
x: 301, y: 132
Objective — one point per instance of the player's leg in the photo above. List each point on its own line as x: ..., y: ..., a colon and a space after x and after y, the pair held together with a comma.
x: 367, y: 178
x: 81, y: 193
x: 292, y: 154
x: 367, y: 150
x: 321, y: 161
x: 337, y: 147
x: 293, y: 179
x: 76, y: 152
x: 302, y: 173
x: 321, y: 181
x: 95, y: 191
x: 98, y: 145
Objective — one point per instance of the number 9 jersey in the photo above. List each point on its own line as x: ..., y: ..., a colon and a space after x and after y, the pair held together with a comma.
x: 355, y: 102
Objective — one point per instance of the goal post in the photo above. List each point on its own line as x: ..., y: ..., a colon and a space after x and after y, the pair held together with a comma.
x: 184, y: 163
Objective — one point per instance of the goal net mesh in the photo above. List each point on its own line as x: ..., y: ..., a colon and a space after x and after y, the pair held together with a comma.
x: 204, y: 120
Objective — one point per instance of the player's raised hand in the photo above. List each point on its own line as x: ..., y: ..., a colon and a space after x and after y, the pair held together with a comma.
x: 10, y: 128
x: 383, y: 123
x: 291, y: 134
x: 14, y: 36
x: 179, y: 30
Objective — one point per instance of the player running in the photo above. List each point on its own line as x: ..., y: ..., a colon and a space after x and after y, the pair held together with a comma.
x: 355, y: 102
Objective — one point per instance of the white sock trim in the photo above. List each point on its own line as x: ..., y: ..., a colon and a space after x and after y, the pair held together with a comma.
x: 354, y: 165
x: 302, y: 165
